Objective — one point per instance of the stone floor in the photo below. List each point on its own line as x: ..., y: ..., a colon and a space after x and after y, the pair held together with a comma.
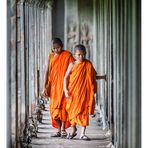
x: 99, y: 138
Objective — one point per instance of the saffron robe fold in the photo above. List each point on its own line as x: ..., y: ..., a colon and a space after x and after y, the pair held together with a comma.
x: 81, y: 87
x: 58, y: 66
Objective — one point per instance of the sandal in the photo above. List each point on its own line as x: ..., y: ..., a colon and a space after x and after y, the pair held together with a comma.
x: 57, y: 134
x: 84, y: 137
x: 63, y: 134
x: 71, y: 136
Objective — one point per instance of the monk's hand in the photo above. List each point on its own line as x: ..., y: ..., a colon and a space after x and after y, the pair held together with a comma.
x: 66, y: 93
x: 45, y: 93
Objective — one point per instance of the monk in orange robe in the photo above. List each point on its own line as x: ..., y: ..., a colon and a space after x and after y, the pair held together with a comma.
x: 79, y: 89
x: 58, y: 62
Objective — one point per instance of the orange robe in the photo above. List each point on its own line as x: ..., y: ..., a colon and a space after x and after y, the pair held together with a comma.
x: 81, y: 86
x: 57, y: 67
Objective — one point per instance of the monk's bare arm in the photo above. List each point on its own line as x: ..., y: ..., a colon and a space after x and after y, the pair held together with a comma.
x: 46, y: 79
x: 65, y: 79
x: 46, y: 75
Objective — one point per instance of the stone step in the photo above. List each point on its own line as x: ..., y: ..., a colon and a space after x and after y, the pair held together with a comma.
x: 99, y: 138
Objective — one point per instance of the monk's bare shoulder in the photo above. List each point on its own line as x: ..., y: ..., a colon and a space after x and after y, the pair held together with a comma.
x: 71, y: 65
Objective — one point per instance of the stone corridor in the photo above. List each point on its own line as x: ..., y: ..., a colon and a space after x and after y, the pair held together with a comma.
x: 111, y: 32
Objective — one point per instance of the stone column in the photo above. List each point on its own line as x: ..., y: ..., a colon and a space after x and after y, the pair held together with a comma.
x: 102, y: 57
x: 127, y: 73
x: 11, y: 73
x: 20, y: 103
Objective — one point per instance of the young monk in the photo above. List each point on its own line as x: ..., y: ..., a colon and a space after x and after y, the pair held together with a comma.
x: 58, y: 62
x: 79, y: 89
